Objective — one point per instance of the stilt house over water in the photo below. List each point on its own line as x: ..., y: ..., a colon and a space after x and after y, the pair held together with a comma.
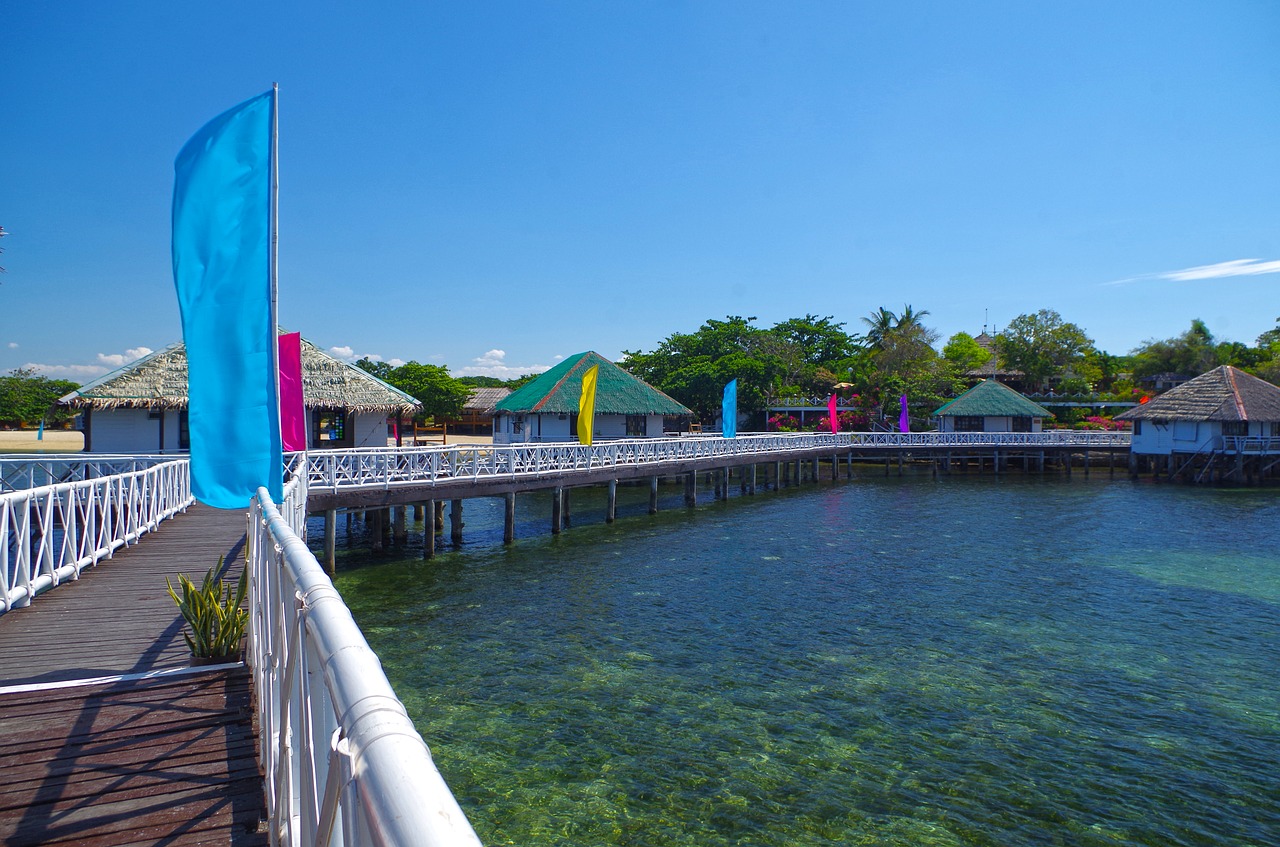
x: 142, y: 407
x: 1224, y: 411
x: 546, y: 408
x: 991, y: 406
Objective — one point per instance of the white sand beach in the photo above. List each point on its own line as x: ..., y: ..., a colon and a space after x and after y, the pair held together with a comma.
x: 55, y: 441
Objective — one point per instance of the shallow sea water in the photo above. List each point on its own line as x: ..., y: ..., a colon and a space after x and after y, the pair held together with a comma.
x: 888, y: 661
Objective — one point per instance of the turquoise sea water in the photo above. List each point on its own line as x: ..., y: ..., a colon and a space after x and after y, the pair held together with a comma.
x: 911, y: 661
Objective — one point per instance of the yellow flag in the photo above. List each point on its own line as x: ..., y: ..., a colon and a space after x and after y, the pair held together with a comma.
x: 587, y: 405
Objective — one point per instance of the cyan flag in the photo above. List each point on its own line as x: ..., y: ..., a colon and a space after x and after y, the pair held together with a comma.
x: 221, y: 230
x: 729, y: 410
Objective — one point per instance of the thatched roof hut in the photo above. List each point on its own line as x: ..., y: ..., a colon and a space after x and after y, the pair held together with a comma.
x: 991, y: 406
x: 159, y: 381
x: 1223, y: 394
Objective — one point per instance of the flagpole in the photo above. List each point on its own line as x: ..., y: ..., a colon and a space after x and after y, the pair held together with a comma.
x: 273, y: 247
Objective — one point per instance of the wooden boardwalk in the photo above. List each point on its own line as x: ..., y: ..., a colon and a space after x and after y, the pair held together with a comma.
x: 165, y: 760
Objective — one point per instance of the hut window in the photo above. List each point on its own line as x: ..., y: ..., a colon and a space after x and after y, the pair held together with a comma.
x: 1235, y: 427
x: 637, y: 426
x: 1275, y: 429
x: 1020, y: 424
x: 184, y: 430
x: 970, y: 423
x: 331, y: 426
x: 517, y: 424
x: 1137, y: 427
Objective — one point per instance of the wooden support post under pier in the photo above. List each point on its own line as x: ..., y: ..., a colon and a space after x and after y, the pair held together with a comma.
x: 417, y: 512
x: 752, y: 488
x: 777, y: 475
x: 557, y: 515
x: 691, y: 489
x: 429, y: 530
x: 330, y: 541
x: 439, y: 506
x: 814, y: 476
x: 401, y: 534
x: 564, y: 506
x: 653, y: 495
x: 611, y: 511
x: 509, y: 518
x: 375, y: 529
x: 455, y: 521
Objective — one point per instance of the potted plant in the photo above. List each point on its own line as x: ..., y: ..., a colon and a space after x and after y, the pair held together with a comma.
x: 213, y: 613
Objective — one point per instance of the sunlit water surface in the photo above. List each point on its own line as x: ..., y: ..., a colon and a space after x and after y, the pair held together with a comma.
x: 892, y: 661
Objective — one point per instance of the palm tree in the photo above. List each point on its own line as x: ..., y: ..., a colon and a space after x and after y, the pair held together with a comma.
x: 881, y: 325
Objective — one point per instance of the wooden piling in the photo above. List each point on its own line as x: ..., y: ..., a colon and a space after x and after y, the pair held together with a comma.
x: 401, y: 524
x: 509, y: 518
x: 455, y: 521
x: 375, y: 529
x: 429, y: 530
x: 557, y: 515
x: 751, y: 489
x: 611, y: 511
x: 653, y: 495
x: 330, y: 541
x: 565, y: 511
x: 691, y: 489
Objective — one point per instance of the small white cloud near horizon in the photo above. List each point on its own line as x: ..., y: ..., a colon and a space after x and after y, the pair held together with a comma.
x: 116, y: 360
x: 82, y: 373
x: 494, y: 363
x: 13, y: 345
x: 1220, y: 270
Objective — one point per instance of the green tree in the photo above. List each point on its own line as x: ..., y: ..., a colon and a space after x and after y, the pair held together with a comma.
x: 27, y: 398
x: 965, y: 353
x: 382, y: 370
x: 440, y: 394
x: 1042, y: 346
x: 1191, y: 353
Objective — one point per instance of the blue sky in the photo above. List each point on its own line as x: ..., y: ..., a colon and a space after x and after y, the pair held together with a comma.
x: 494, y: 186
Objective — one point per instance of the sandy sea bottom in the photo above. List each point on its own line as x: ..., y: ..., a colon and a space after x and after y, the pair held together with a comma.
x: 888, y: 661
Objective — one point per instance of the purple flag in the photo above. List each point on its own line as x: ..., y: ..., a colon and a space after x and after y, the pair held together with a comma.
x: 904, y: 421
x: 831, y: 414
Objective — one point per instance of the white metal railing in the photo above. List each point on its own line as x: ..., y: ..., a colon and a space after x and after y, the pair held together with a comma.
x: 21, y: 471
x: 343, y: 762
x: 1253, y: 444
x: 50, y: 533
x: 334, y: 470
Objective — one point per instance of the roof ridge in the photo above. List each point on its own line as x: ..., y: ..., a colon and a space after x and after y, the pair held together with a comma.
x: 1229, y: 372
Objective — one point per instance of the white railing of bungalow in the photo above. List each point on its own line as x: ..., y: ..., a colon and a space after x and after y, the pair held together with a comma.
x: 1257, y: 445
x: 21, y: 471
x: 344, y: 764
x: 50, y: 533
x: 333, y: 470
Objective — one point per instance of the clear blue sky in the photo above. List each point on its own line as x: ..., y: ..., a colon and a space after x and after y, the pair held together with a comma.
x: 542, y: 178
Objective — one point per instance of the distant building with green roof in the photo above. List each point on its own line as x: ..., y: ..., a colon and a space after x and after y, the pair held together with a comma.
x: 546, y: 408
x: 991, y: 406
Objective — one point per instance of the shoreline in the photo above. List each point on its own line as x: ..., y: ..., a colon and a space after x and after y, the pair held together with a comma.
x: 55, y: 441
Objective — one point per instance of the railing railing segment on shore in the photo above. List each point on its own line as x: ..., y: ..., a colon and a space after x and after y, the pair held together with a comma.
x: 48, y: 534
x: 22, y: 471
x: 343, y: 762
x: 333, y: 470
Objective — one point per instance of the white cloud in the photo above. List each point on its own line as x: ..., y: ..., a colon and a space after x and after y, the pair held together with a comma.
x: 395, y: 363
x: 348, y: 354
x: 494, y: 363
x: 76, y: 373
x: 83, y: 373
x: 116, y: 360
x: 1221, y: 270
x: 344, y: 353
x: 13, y: 345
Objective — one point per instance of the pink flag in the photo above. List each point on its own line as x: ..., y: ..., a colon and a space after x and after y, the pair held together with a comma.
x: 904, y: 420
x: 831, y: 414
x: 293, y: 415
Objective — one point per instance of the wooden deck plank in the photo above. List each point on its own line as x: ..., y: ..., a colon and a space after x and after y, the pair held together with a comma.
x: 164, y: 760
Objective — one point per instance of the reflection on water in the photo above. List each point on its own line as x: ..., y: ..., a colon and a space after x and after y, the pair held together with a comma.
x: 888, y: 661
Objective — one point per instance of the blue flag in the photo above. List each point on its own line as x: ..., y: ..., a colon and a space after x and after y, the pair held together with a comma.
x: 729, y: 410
x: 221, y: 268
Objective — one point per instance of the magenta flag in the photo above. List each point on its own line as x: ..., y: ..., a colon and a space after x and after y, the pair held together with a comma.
x: 293, y: 414
x: 831, y: 414
x: 904, y: 421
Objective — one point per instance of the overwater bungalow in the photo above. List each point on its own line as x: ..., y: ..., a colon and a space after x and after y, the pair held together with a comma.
x: 1225, y: 419
x: 991, y: 406
x: 142, y: 407
x: 546, y: 408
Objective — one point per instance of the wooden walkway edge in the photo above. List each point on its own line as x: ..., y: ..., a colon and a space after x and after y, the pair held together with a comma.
x: 169, y: 759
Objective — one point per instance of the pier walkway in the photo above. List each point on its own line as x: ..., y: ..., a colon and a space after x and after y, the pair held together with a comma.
x: 107, y: 737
